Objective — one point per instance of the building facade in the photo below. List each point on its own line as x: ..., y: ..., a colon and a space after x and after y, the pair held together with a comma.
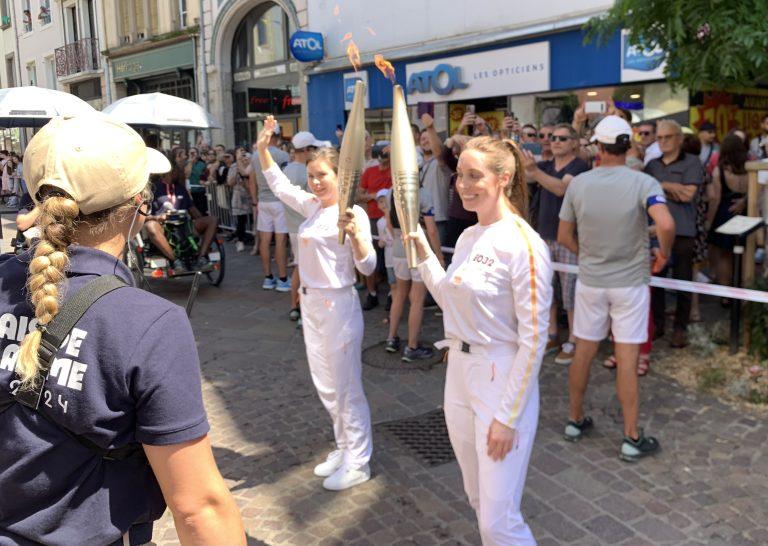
x: 487, y: 55
x: 251, y: 72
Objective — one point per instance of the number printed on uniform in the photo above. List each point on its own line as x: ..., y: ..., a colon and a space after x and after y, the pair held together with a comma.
x: 485, y: 260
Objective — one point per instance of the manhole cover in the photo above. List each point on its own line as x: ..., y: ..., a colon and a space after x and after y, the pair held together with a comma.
x: 376, y: 357
x: 425, y: 435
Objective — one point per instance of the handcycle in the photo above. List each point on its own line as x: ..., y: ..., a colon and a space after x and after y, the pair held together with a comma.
x: 146, y: 260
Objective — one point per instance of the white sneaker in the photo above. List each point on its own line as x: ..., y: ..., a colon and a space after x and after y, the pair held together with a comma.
x: 346, y: 477
x: 239, y: 246
x: 331, y: 464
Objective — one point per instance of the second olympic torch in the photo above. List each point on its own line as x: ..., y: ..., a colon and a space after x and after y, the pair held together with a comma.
x: 352, y: 154
x: 405, y: 173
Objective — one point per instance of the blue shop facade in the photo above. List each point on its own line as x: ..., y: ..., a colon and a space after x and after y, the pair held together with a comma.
x: 537, y: 79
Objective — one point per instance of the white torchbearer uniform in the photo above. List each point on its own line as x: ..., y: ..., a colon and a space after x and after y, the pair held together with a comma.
x: 495, y: 298
x: 331, y: 316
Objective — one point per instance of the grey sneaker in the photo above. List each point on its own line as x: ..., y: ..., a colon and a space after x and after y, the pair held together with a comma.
x: 634, y: 450
x: 392, y: 345
x: 178, y: 267
x: 419, y: 353
x: 575, y: 430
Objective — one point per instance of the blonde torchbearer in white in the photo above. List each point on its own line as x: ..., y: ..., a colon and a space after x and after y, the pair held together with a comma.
x: 495, y: 298
x: 352, y: 155
x: 405, y: 172
x: 330, y: 307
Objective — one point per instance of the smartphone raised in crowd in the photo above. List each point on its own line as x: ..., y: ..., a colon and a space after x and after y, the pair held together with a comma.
x: 594, y: 107
x: 470, y: 108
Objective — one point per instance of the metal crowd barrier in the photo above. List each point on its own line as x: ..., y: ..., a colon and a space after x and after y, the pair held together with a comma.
x: 220, y: 205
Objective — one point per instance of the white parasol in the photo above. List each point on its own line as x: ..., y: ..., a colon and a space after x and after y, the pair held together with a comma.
x: 32, y: 106
x: 161, y: 111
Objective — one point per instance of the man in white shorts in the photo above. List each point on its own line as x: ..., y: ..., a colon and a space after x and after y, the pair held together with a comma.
x: 609, y: 206
x: 408, y: 283
x: 270, y: 218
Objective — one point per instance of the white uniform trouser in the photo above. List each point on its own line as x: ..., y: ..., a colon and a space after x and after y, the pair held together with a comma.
x: 474, y: 385
x: 333, y: 334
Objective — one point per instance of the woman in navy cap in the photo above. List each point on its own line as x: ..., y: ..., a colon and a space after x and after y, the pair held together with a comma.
x: 120, y: 429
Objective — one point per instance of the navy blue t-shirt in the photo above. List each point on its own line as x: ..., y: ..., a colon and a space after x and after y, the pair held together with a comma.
x: 129, y: 372
x: 549, y: 203
x: 175, y: 194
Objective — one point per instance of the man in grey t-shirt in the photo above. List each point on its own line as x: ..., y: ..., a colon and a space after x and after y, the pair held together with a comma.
x: 270, y: 218
x: 681, y: 176
x: 608, y: 207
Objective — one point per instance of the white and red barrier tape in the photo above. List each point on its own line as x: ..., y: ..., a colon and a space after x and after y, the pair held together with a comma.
x: 719, y: 290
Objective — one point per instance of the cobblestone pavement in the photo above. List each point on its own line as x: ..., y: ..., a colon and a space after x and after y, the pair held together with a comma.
x: 708, y: 486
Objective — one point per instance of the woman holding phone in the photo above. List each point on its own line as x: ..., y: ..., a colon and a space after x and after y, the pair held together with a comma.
x: 330, y: 307
x: 495, y: 298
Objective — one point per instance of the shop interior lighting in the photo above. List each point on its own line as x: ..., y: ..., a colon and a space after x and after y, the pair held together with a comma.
x: 591, y: 93
x: 634, y: 96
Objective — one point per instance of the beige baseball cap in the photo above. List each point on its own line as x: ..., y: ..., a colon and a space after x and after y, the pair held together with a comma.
x: 99, y: 161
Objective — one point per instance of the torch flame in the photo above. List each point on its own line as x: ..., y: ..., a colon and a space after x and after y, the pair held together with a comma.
x: 347, y: 36
x: 354, y: 55
x: 386, y: 67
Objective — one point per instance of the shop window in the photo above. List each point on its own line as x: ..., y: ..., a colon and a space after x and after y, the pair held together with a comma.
x: 87, y: 90
x: 45, y: 12
x: 262, y: 37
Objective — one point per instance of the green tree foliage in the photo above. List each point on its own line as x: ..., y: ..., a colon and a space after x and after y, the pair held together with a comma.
x: 714, y: 44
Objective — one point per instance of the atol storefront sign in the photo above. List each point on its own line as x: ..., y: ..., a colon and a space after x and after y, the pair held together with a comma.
x: 307, y: 46
x: 639, y: 63
x: 508, y: 71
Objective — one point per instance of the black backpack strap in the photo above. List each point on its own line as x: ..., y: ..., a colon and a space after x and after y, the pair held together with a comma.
x: 53, y: 335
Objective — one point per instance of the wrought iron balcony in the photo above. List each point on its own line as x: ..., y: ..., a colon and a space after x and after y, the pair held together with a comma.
x: 77, y: 57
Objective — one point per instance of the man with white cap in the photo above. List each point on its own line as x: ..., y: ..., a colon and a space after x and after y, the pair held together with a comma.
x: 609, y: 206
x: 304, y: 143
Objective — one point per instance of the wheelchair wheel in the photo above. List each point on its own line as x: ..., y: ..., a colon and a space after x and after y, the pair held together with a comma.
x: 217, y: 274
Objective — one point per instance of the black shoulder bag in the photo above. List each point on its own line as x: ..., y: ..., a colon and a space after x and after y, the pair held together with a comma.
x: 53, y: 335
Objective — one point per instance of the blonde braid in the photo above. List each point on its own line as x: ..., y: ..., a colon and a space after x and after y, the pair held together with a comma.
x: 58, y: 215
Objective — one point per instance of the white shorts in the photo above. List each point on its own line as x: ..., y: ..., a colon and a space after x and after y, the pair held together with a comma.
x: 402, y: 272
x: 622, y: 310
x: 270, y: 217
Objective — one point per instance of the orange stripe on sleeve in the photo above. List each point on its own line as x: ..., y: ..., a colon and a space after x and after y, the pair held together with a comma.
x: 534, y: 323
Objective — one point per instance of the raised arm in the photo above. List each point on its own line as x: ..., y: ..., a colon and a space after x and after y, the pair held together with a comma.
x: 434, y: 139
x: 291, y: 195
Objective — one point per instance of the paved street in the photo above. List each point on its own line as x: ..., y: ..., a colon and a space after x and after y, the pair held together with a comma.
x: 708, y: 486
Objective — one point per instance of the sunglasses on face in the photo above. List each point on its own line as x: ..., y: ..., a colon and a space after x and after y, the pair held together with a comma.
x: 644, y: 133
x: 545, y: 136
x: 559, y: 138
x: 384, y: 156
x: 530, y: 135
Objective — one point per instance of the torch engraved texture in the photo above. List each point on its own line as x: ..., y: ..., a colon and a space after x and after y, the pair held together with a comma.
x: 405, y: 172
x: 352, y: 155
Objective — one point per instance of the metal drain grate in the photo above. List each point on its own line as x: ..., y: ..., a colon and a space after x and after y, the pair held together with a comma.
x: 425, y: 435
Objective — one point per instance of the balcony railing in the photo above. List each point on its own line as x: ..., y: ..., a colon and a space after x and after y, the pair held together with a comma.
x: 77, y: 57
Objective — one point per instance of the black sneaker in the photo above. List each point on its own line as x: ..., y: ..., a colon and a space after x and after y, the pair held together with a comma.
x: 370, y: 302
x: 634, y: 450
x: 392, y: 344
x: 575, y: 430
x: 419, y: 353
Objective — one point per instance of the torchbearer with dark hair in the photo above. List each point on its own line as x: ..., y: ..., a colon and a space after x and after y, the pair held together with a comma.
x: 330, y: 307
